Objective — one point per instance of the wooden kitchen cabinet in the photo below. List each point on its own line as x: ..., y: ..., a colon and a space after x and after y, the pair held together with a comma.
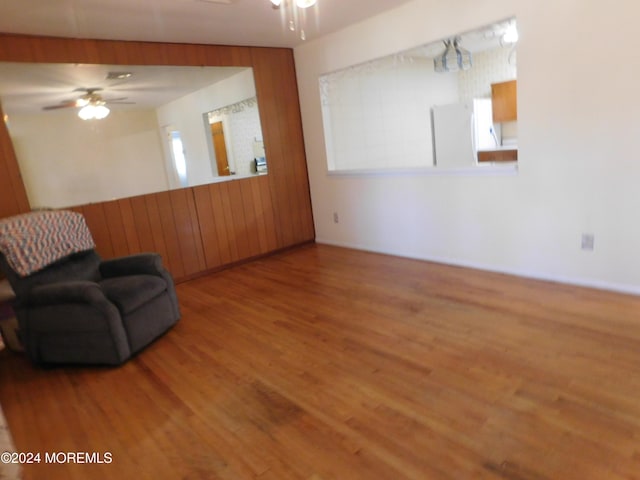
x: 504, y: 101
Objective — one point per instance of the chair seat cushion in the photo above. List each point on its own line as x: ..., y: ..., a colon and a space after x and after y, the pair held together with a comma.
x: 132, y: 291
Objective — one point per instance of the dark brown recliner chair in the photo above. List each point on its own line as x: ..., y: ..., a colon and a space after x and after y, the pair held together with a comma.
x: 81, y: 309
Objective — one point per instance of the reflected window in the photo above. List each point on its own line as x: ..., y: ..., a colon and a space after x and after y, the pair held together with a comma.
x: 178, y: 156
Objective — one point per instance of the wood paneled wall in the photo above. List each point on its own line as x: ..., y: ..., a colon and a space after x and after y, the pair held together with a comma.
x: 13, y: 197
x: 195, y: 229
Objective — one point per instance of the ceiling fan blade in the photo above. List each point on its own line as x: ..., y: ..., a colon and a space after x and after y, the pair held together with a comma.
x: 88, y: 90
x: 90, y: 96
x: 67, y: 104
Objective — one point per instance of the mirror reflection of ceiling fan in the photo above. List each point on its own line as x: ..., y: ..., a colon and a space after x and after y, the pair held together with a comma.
x: 92, y: 105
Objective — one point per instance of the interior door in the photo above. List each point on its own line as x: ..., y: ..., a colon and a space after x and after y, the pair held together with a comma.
x: 220, y: 149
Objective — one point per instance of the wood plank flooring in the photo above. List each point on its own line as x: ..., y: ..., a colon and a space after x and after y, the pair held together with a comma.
x: 324, y: 363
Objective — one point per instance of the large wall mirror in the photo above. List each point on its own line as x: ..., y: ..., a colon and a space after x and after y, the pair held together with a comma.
x: 446, y: 104
x: 167, y: 127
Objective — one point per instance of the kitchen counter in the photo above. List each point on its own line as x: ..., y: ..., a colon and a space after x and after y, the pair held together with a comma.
x: 504, y: 153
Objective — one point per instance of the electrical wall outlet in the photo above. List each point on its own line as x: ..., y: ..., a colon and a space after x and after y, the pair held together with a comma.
x: 336, y: 219
x: 588, y: 240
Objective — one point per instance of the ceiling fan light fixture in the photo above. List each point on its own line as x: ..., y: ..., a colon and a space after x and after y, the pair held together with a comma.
x: 101, y: 112
x: 93, y: 112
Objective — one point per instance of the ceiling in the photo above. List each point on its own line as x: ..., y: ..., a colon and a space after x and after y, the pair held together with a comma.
x: 233, y: 22
x: 29, y: 87
x: 222, y: 22
x: 219, y: 22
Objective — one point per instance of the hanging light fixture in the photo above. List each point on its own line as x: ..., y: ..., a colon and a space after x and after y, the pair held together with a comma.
x: 509, y: 38
x: 94, y: 110
x: 453, y: 58
x: 294, y: 19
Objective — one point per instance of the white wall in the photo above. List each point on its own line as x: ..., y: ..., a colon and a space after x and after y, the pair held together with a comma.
x: 59, y: 155
x: 490, y: 66
x: 377, y: 115
x: 578, y: 130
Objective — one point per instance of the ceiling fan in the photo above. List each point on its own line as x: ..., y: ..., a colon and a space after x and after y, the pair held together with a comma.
x: 92, y: 105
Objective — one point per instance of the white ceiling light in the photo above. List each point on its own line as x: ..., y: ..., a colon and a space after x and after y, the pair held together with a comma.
x: 305, y: 3
x: 94, y: 111
x: 511, y: 34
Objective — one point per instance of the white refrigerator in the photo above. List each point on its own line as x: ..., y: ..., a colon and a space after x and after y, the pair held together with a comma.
x: 459, y: 130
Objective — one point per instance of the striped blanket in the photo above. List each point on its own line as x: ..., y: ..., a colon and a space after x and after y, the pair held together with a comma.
x: 32, y: 241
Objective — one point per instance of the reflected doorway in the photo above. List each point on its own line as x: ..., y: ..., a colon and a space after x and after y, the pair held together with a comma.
x: 220, y: 149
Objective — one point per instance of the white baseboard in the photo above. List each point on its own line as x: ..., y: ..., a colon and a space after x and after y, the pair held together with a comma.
x: 547, y: 277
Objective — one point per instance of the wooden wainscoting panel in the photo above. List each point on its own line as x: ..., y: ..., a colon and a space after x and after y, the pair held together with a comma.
x: 95, y: 217
x: 262, y: 213
x: 236, y: 220
x: 239, y: 223
x: 211, y: 244
x: 253, y: 227
x: 143, y: 225
x: 167, y: 226
x: 228, y: 250
x: 187, y: 230
x: 161, y: 245
x: 227, y: 213
x: 129, y: 225
x: 262, y: 196
x: 117, y: 230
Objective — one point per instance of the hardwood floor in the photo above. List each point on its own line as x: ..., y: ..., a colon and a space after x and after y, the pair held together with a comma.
x: 324, y: 363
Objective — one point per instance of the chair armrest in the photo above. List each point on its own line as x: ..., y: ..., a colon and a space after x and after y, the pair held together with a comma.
x: 139, y: 264
x: 80, y: 291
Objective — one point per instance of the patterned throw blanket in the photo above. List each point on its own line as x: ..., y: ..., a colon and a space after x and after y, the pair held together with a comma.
x: 32, y: 241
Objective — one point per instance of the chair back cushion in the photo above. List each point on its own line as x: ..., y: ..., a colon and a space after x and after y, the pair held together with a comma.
x: 32, y: 241
x: 79, y: 266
